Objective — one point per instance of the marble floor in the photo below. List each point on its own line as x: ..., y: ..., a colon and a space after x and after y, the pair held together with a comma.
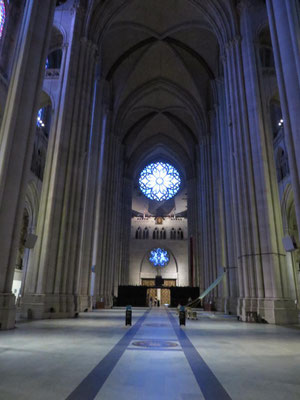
x: 97, y: 357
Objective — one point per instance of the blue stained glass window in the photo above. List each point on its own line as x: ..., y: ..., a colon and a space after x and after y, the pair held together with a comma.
x: 159, y: 257
x: 159, y: 181
x: 2, y: 16
x: 40, y: 118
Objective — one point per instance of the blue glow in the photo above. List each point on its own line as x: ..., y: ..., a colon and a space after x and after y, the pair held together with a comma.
x: 2, y: 16
x: 159, y: 257
x: 159, y: 181
x: 40, y: 118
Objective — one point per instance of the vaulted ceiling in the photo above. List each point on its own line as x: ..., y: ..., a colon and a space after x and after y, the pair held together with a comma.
x: 159, y: 58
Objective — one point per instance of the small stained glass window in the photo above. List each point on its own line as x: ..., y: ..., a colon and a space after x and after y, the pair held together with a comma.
x: 159, y: 257
x: 159, y: 181
x: 40, y: 118
x: 2, y: 17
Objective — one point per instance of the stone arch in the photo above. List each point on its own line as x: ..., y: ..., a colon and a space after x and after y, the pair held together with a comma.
x: 288, y: 209
x: 29, y: 222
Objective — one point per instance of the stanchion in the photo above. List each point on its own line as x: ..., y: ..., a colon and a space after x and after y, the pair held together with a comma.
x: 128, y: 316
x: 182, y: 316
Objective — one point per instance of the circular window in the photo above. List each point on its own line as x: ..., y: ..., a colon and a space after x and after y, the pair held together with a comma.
x: 2, y: 16
x: 159, y: 181
x: 159, y: 257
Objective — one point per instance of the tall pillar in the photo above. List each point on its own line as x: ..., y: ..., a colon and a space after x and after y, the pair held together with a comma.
x: 201, y: 234
x: 109, y: 234
x: 90, y: 218
x: 104, y: 128
x: 194, y: 262
x: 126, y: 229
x: 52, y: 281
x: 261, y: 260
x: 284, y: 21
x: 226, y: 237
x: 17, y: 139
x: 207, y: 217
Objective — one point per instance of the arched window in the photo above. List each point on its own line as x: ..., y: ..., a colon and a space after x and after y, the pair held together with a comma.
x: 179, y: 234
x: 146, y: 233
x: 2, y: 16
x: 40, y: 121
x: 173, y: 234
x: 138, y: 233
x: 43, y: 120
x: 43, y: 124
x: 155, y: 233
x: 266, y: 51
x: 54, y: 59
x: 282, y: 165
x: 276, y: 117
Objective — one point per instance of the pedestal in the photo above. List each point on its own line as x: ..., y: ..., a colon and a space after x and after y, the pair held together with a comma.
x: 47, y: 306
x: 7, y: 311
x: 273, y: 311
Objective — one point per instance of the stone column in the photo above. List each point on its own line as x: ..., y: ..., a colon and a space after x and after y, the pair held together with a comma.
x: 261, y: 260
x: 126, y: 229
x: 193, y: 230
x: 9, y: 39
x: 90, y: 217
x: 277, y: 302
x: 52, y: 284
x: 284, y: 21
x: 17, y: 139
x: 206, y: 217
x: 104, y: 127
x: 225, y: 239
x: 217, y: 219
x: 108, y: 239
x: 201, y: 217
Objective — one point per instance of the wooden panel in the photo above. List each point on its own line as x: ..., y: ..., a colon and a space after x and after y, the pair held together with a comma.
x: 165, y: 296
x: 148, y: 282
x: 151, y: 293
x: 170, y: 282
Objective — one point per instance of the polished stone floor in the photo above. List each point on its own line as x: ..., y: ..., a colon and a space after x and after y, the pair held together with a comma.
x: 97, y: 357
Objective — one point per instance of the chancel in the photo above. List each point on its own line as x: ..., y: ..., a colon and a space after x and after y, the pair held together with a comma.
x: 149, y: 159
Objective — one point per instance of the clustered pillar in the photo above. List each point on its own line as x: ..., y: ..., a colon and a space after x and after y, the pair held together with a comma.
x: 109, y: 234
x: 17, y: 139
x: 52, y: 283
x: 261, y: 260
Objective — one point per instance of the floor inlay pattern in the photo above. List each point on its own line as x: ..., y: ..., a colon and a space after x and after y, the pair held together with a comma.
x: 154, y: 343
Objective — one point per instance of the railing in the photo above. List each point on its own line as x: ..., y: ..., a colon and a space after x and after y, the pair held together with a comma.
x: 51, y: 73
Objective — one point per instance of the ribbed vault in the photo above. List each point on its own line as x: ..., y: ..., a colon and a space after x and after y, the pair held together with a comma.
x: 159, y: 59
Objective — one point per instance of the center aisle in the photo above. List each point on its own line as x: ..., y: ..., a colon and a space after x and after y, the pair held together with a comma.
x: 153, y: 366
